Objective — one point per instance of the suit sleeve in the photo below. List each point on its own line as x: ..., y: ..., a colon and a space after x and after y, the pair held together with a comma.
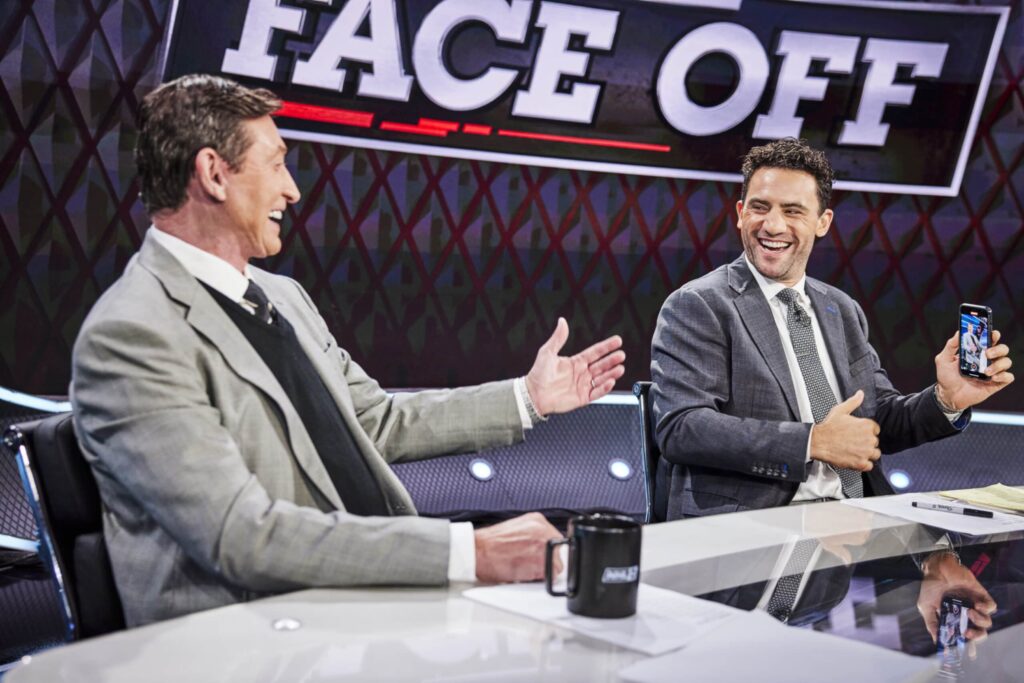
x: 413, y: 425
x: 693, y: 401
x: 148, y: 422
x: 904, y: 420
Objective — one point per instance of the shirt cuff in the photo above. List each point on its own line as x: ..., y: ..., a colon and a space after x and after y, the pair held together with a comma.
x: 523, y: 402
x: 461, y: 552
x: 807, y: 455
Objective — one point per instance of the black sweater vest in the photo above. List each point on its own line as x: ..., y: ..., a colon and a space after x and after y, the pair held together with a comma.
x: 279, y: 348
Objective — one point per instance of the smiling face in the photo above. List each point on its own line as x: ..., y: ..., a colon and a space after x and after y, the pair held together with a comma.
x: 779, y: 221
x: 259, y: 191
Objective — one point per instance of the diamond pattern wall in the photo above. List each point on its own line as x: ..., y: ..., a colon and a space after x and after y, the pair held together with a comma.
x: 437, y: 272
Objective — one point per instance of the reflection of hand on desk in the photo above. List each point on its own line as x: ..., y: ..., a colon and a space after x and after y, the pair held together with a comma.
x: 944, y: 575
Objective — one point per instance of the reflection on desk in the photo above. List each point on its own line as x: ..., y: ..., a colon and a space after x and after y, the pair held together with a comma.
x: 865, y: 584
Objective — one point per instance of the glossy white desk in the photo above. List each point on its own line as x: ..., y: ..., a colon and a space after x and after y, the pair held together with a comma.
x: 434, y: 634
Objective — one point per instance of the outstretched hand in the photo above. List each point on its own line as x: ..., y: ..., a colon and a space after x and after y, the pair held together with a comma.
x: 959, y: 392
x: 558, y: 384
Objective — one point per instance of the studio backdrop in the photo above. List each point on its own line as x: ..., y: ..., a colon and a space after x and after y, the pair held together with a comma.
x: 472, y: 169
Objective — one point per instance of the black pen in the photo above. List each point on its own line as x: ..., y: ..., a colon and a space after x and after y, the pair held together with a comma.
x: 955, y: 509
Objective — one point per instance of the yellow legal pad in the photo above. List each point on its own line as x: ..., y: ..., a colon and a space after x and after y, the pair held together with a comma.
x: 998, y: 496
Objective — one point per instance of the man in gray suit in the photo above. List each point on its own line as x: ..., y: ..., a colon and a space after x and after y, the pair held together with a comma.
x: 767, y: 391
x: 238, y: 450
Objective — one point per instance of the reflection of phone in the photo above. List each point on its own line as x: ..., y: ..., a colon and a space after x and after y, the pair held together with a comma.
x: 952, y: 622
x: 975, y: 339
x: 950, y: 641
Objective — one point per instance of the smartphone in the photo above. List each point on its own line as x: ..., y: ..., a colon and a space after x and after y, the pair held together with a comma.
x: 952, y: 627
x: 975, y: 339
x: 952, y: 622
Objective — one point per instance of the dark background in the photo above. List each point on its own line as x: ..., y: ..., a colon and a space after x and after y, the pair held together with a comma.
x: 439, y: 272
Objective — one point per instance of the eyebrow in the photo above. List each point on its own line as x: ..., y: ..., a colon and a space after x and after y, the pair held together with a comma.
x: 787, y: 205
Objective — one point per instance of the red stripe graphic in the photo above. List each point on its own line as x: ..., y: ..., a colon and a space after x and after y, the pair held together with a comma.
x: 596, y: 142
x: 409, y: 128
x: 309, y: 112
x: 443, y: 125
x: 476, y: 129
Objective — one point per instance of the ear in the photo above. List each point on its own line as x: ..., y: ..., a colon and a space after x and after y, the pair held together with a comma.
x: 824, y: 222
x: 211, y: 174
x: 739, y: 214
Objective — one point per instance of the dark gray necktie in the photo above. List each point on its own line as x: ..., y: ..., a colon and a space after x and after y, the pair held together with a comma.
x: 820, y: 393
x: 783, y: 600
x: 256, y: 298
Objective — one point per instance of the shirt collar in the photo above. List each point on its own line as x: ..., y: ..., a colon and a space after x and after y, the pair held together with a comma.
x: 770, y: 288
x: 204, y: 266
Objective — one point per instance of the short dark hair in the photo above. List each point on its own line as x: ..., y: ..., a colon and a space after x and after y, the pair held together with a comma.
x: 182, y: 117
x: 796, y: 155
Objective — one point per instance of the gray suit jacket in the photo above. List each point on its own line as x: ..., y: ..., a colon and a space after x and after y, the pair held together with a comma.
x: 213, y: 492
x: 727, y: 419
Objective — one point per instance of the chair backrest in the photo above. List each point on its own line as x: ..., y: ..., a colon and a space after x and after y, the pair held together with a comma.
x: 65, y: 502
x: 655, y: 467
x: 588, y: 460
x: 15, y: 407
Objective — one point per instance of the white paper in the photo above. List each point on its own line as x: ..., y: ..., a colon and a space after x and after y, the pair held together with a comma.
x: 664, y: 620
x: 761, y: 649
x: 900, y: 506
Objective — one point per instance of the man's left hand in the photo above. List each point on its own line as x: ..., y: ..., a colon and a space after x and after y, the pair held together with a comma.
x: 558, y: 384
x: 959, y: 392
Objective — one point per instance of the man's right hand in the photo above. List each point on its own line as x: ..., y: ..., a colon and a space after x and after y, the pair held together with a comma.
x: 845, y: 441
x: 513, y: 550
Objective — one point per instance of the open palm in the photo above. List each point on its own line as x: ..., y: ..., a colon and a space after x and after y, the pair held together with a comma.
x: 558, y: 384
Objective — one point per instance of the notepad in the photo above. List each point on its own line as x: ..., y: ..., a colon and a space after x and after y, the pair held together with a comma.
x: 998, y: 496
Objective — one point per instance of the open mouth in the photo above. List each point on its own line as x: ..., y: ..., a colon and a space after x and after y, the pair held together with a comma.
x: 774, y: 246
x: 276, y: 216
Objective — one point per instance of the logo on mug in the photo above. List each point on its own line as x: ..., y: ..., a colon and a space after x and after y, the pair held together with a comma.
x: 620, y: 574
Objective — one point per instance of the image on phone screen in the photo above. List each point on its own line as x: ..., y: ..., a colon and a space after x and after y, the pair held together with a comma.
x: 950, y: 641
x: 974, y: 340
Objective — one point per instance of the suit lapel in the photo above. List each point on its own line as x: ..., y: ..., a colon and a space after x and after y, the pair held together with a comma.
x: 207, y: 317
x: 831, y: 321
x: 299, y: 315
x: 757, y: 318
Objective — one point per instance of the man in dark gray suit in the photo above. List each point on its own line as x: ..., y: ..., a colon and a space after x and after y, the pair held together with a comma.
x: 238, y: 450
x: 767, y: 391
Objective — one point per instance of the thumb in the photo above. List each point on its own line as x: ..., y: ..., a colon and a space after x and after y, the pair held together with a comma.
x: 851, y: 404
x: 558, y: 338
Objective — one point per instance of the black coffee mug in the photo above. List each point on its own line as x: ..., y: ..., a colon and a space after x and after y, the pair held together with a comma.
x: 604, y: 565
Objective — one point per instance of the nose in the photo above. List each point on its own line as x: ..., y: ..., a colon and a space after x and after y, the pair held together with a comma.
x: 291, y: 190
x: 774, y: 221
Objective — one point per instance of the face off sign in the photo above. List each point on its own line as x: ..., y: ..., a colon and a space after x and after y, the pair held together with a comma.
x: 683, y: 88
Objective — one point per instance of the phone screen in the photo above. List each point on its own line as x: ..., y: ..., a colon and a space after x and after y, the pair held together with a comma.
x: 975, y: 339
x: 952, y: 626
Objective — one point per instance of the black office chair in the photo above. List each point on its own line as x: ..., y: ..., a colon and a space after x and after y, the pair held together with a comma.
x: 66, y: 506
x: 656, y: 468
x: 15, y: 515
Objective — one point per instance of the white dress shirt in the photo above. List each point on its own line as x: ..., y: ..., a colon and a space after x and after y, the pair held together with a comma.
x: 822, y: 480
x: 232, y: 283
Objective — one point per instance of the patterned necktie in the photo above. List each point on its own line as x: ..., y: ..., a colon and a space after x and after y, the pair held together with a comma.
x: 820, y: 393
x: 255, y: 297
x: 783, y: 600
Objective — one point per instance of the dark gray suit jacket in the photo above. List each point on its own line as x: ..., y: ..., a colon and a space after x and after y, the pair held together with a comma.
x: 724, y: 405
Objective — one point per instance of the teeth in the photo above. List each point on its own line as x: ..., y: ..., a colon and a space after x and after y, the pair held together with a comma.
x: 276, y: 215
x: 774, y: 245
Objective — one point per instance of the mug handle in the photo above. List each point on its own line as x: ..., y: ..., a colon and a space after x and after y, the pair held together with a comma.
x: 549, y: 574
